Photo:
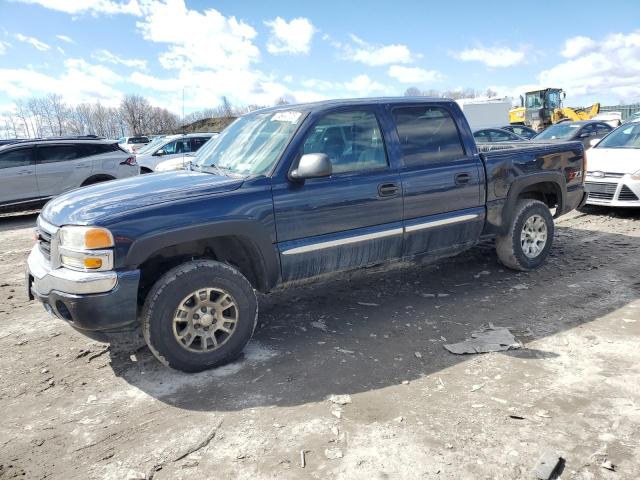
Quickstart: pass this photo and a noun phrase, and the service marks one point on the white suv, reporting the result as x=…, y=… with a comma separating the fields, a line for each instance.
x=33, y=171
x=133, y=144
x=171, y=147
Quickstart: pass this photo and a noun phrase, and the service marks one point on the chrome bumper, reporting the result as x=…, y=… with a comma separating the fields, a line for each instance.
x=46, y=279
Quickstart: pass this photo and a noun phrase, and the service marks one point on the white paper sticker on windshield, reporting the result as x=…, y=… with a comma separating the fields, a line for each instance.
x=291, y=117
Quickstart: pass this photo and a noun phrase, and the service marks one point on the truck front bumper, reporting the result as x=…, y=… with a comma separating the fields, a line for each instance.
x=94, y=303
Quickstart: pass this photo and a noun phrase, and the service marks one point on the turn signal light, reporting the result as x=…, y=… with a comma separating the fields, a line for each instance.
x=97, y=238
x=92, y=263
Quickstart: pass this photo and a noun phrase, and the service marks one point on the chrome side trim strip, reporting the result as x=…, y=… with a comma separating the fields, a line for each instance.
x=438, y=223
x=386, y=233
x=345, y=241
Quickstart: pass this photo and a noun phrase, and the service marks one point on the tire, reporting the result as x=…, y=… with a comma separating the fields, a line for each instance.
x=509, y=247
x=172, y=312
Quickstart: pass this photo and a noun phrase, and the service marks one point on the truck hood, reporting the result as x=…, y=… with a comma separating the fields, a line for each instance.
x=88, y=205
x=615, y=160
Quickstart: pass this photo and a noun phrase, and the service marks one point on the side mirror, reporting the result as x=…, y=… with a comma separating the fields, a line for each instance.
x=160, y=153
x=312, y=165
x=594, y=141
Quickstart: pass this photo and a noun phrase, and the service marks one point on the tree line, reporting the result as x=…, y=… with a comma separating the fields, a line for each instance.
x=453, y=94
x=51, y=116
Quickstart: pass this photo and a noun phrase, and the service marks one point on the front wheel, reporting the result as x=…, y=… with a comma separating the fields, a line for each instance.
x=199, y=315
x=527, y=244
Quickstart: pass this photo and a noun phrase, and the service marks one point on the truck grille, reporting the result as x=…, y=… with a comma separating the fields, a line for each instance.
x=45, y=234
x=601, y=190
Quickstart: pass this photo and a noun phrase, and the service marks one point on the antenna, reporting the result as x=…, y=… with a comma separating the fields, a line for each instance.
x=183, y=125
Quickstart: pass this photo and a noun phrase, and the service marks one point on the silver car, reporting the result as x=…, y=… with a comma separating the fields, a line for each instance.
x=33, y=171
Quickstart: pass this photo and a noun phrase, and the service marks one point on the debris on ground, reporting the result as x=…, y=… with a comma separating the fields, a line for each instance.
x=303, y=462
x=490, y=340
x=333, y=453
x=549, y=466
x=608, y=465
x=340, y=399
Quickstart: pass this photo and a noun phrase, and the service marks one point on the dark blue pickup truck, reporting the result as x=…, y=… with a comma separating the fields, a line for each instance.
x=287, y=194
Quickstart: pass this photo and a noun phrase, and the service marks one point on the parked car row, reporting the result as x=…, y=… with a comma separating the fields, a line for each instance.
x=34, y=171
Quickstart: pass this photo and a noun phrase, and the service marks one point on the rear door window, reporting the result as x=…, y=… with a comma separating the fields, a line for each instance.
x=427, y=134
x=58, y=153
x=500, y=136
x=17, y=157
x=197, y=142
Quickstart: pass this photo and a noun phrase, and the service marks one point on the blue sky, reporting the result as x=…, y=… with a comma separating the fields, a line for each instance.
x=256, y=52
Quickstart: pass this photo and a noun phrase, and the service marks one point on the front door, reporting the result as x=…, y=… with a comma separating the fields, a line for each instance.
x=18, y=176
x=350, y=219
x=441, y=182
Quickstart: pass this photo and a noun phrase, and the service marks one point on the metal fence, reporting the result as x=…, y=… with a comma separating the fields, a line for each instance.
x=625, y=110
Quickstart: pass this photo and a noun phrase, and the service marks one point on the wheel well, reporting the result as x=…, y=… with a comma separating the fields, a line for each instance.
x=546, y=192
x=145, y=170
x=97, y=179
x=240, y=252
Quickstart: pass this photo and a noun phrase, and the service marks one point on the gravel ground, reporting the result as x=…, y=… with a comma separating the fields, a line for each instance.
x=77, y=409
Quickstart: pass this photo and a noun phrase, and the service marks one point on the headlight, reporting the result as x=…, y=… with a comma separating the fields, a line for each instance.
x=85, y=238
x=86, y=248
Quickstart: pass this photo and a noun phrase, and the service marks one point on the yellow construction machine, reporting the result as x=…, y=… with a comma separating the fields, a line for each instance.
x=541, y=108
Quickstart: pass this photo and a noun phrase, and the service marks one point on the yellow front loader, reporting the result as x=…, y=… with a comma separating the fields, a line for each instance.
x=541, y=108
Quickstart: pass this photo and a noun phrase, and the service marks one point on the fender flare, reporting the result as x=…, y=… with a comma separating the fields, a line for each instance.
x=269, y=261
x=520, y=184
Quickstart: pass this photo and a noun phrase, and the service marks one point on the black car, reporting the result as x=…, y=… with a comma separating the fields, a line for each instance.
x=583, y=131
x=493, y=135
x=521, y=130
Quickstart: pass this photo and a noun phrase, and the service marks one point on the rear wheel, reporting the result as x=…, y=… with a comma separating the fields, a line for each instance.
x=528, y=242
x=199, y=315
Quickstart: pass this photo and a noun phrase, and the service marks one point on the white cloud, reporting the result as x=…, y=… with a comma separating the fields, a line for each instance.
x=576, y=45
x=43, y=47
x=491, y=56
x=94, y=7
x=414, y=75
x=375, y=55
x=109, y=57
x=79, y=82
x=196, y=39
x=364, y=86
x=610, y=67
x=3, y=47
x=65, y=39
x=290, y=37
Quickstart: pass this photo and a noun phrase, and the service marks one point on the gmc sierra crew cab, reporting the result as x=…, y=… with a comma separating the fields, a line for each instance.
x=288, y=194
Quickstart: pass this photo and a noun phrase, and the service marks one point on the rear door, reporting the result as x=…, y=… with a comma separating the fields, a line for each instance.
x=61, y=167
x=441, y=182
x=352, y=218
x=18, y=176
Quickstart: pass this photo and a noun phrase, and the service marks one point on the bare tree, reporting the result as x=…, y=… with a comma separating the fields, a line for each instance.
x=412, y=92
x=58, y=112
x=135, y=110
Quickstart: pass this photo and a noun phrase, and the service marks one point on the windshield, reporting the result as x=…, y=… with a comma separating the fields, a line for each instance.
x=251, y=145
x=627, y=136
x=559, y=131
x=553, y=99
x=534, y=100
x=150, y=146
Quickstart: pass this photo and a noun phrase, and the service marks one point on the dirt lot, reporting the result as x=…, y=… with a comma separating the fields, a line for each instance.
x=74, y=408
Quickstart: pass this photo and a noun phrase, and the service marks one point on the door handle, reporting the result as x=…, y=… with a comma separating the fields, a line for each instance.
x=24, y=172
x=82, y=165
x=462, y=178
x=388, y=189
